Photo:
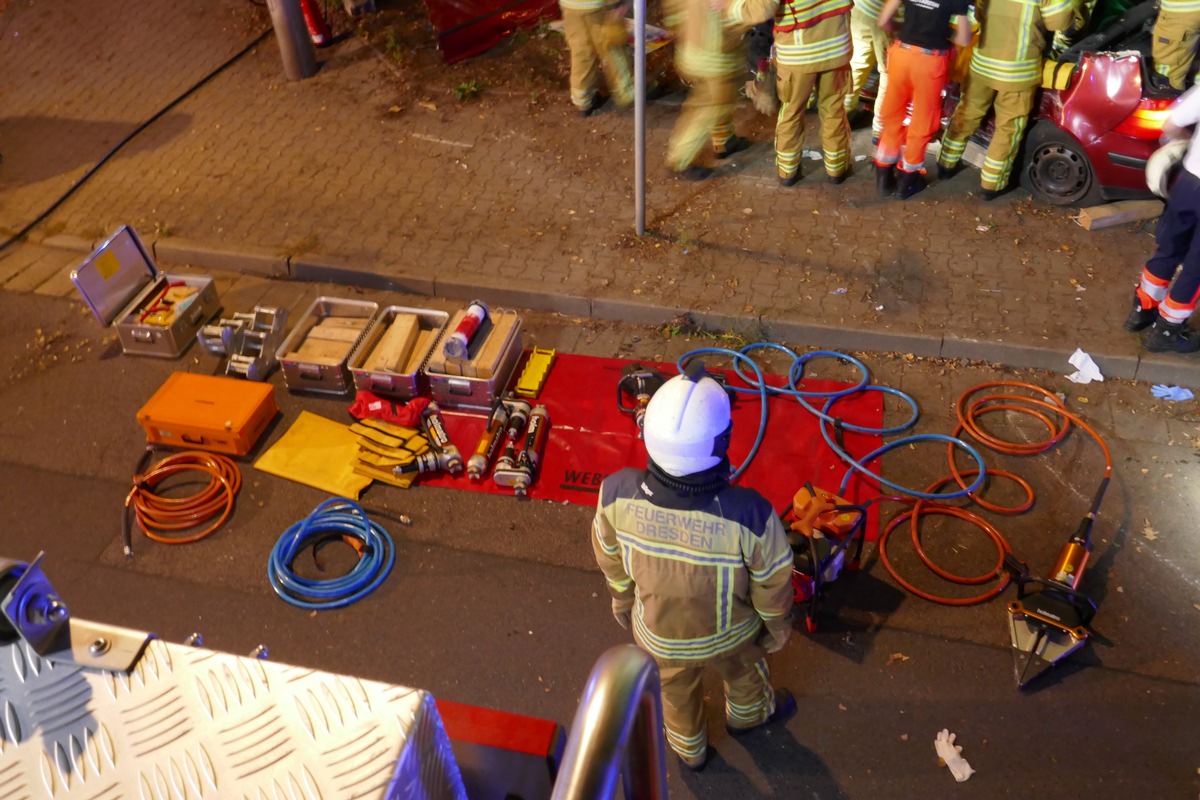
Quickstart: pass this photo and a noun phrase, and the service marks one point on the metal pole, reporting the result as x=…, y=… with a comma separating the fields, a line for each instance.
x=639, y=116
x=619, y=717
x=295, y=45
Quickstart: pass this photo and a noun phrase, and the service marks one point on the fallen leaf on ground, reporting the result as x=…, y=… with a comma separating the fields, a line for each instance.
x=1149, y=532
x=894, y=657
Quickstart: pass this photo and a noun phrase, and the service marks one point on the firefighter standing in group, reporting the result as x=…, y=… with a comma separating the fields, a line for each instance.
x=587, y=26
x=700, y=570
x=1161, y=304
x=812, y=50
x=868, y=50
x=1006, y=69
x=919, y=63
x=709, y=55
x=1176, y=34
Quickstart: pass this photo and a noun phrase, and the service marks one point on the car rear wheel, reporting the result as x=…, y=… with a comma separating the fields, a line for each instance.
x=1056, y=170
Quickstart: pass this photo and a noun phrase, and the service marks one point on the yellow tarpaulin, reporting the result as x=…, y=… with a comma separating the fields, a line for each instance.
x=317, y=452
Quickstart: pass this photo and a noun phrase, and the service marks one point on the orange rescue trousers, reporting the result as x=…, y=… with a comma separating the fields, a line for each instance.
x=917, y=75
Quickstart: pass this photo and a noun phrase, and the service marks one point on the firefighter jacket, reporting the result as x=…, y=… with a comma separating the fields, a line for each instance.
x=813, y=35
x=1180, y=6
x=873, y=8
x=1012, y=38
x=702, y=565
x=708, y=43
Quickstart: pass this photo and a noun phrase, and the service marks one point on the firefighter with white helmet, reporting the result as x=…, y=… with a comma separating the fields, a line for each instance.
x=699, y=569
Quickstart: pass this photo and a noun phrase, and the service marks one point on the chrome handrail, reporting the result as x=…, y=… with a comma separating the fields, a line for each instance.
x=619, y=723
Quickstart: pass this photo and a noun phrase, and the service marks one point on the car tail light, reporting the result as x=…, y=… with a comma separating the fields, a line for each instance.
x=1146, y=121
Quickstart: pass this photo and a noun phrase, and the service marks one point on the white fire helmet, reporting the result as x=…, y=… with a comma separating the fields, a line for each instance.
x=687, y=425
x=1161, y=167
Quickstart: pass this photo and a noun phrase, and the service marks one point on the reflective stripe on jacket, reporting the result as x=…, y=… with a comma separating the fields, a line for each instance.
x=709, y=43
x=1012, y=38
x=818, y=48
x=794, y=14
x=702, y=573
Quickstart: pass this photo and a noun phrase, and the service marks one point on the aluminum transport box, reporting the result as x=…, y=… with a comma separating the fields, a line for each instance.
x=316, y=354
x=125, y=290
x=474, y=383
x=405, y=380
x=190, y=722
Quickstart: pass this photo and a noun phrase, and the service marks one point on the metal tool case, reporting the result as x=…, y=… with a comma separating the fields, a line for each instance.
x=327, y=371
x=121, y=285
x=208, y=412
x=410, y=381
x=474, y=383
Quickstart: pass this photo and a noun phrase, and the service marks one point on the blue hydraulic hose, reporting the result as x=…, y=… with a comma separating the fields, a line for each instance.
x=338, y=516
x=795, y=373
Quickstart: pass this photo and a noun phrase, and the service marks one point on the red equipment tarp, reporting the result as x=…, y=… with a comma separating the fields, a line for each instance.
x=591, y=438
x=467, y=28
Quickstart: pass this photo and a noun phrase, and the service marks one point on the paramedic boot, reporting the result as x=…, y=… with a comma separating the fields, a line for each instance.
x=909, y=183
x=1140, y=318
x=885, y=179
x=785, y=709
x=1171, y=337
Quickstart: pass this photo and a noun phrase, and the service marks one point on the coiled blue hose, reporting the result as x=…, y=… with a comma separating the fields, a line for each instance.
x=831, y=425
x=338, y=516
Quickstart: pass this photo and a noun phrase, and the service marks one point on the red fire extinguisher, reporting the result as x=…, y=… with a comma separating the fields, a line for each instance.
x=318, y=28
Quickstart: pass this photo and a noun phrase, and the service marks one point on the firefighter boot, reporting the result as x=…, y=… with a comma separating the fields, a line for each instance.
x=1171, y=337
x=736, y=144
x=885, y=179
x=785, y=709
x=909, y=183
x=1140, y=318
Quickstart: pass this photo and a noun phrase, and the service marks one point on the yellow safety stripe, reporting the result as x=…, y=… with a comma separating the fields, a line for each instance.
x=1005, y=70
x=800, y=54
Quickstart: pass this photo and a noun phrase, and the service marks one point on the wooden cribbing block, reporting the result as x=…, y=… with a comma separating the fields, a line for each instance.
x=395, y=344
x=1111, y=214
x=321, y=350
x=338, y=329
x=419, y=350
x=485, y=362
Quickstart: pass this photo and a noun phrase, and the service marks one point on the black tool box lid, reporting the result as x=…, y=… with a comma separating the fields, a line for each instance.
x=111, y=277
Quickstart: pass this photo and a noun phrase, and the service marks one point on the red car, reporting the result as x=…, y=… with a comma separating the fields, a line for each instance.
x=1090, y=141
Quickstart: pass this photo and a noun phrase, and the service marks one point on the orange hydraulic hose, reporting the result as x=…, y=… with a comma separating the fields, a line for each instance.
x=157, y=515
x=969, y=412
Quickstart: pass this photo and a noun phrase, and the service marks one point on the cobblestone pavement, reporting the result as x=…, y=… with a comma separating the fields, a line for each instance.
x=513, y=197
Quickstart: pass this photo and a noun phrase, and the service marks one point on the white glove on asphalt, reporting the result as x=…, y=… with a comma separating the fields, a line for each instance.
x=948, y=751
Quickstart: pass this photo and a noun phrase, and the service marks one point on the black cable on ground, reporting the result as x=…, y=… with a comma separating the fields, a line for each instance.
x=21, y=234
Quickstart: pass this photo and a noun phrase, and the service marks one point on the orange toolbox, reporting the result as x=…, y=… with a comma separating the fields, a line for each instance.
x=206, y=412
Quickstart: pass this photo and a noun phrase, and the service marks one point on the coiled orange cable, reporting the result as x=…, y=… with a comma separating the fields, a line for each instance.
x=969, y=413
x=158, y=516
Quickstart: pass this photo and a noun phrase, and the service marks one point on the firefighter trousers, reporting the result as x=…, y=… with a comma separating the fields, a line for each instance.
x=917, y=75
x=870, y=43
x=795, y=87
x=1173, y=44
x=1176, y=244
x=707, y=115
x=749, y=700
x=591, y=53
x=1012, y=108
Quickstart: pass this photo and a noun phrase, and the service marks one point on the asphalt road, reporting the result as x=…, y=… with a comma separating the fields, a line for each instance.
x=497, y=602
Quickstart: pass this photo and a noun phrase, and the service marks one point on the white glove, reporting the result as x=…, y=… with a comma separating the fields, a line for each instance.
x=948, y=751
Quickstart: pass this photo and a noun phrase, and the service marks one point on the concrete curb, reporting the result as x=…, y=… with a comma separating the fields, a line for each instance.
x=1154, y=368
